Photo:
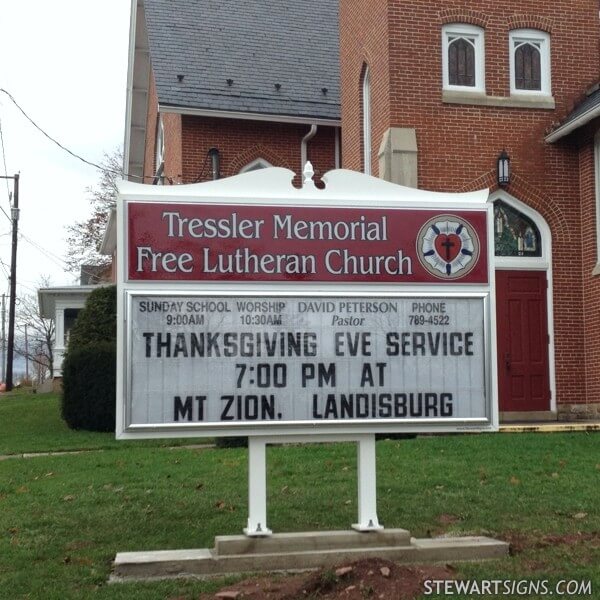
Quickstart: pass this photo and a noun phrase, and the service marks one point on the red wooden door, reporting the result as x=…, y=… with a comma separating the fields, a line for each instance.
x=522, y=325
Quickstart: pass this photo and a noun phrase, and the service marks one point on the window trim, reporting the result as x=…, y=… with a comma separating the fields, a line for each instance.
x=536, y=36
x=255, y=165
x=467, y=31
x=597, y=193
x=159, y=154
x=366, y=120
x=543, y=263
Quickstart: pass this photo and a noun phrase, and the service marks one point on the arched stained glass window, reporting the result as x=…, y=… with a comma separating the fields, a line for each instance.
x=461, y=61
x=528, y=66
x=530, y=71
x=463, y=57
x=514, y=233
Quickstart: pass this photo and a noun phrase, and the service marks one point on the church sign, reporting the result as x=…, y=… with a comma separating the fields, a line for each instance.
x=179, y=242
x=347, y=310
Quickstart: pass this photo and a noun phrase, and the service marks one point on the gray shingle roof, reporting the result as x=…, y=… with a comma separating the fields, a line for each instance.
x=255, y=43
x=583, y=113
x=590, y=102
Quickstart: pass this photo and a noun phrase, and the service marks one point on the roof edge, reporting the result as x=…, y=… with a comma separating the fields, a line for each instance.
x=108, y=244
x=571, y=126
x=248, y=116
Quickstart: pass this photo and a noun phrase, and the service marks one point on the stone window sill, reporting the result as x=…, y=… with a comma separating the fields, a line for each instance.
x=596, y=270
x=482, y=99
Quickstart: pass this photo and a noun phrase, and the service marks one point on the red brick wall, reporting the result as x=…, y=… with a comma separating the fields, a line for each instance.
x=173, y=170
x=591, y=283
x=458, y=144
x=363, y=41
x=173, y=147
x=240, y=142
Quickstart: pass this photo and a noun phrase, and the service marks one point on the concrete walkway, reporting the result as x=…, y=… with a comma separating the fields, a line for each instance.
x=542, y=427
x=36, y=454
x=71, y=452
x=550, y=427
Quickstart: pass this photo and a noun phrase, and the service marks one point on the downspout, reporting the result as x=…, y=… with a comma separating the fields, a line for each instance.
x=304, y=146
x=338, y=152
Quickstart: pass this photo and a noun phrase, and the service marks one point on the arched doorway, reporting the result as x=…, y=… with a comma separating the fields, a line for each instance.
x=524, y=316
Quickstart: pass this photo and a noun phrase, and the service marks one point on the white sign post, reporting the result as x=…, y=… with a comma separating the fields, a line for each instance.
x=249, y=307
x=257, y=480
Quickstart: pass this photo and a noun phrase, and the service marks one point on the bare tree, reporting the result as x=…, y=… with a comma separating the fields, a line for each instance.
x=41, y=334
x=84, y=237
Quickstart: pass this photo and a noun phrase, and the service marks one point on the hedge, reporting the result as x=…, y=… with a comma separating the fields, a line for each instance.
x=97, y=322
x=89, y=366
x=89, y=381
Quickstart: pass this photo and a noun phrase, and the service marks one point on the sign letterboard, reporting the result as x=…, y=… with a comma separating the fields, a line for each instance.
x=198, y=361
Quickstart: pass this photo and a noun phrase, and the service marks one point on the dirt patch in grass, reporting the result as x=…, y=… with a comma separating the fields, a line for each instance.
x=520, y=542
x=447, y=519
x=368, y=578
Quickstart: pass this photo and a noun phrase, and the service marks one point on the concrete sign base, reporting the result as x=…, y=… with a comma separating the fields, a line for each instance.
x=300, y=551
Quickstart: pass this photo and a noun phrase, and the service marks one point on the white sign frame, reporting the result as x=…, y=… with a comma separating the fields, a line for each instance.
x=272, y=187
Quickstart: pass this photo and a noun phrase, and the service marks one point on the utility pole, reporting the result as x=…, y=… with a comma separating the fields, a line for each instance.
x=14, y=213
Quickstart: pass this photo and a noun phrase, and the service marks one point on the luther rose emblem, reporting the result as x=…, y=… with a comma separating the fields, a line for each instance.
x=448, y=247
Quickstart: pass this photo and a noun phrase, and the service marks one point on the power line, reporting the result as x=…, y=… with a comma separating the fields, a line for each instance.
x=6, y=215
x=41, y=248
x=5, y=173
x=4, y=266
x=4, y=162
x=65, y=149
x=53, y=140
x=57, y=260
x=27, y=287
x=45, y=252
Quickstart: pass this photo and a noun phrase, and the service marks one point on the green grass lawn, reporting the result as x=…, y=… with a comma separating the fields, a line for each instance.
x=63, y=518
x=31, y=423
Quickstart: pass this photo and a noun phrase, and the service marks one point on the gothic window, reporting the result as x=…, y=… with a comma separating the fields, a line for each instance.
x=529, y=62
x=514, y=233
x=461, y=61
x=463, y=58
x=528, y=67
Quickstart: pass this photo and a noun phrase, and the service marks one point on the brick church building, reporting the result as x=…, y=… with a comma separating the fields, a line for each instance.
x=443, y=95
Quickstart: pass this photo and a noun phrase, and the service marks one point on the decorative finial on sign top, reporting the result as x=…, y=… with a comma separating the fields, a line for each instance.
x=308, y=173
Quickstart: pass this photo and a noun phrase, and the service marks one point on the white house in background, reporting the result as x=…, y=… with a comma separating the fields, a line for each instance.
x=63, y=305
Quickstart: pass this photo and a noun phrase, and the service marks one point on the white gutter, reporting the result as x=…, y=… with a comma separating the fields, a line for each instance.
x=304, y=146
x=129, y=88
x=227, y=114
x=109, y=240
x=567, y=128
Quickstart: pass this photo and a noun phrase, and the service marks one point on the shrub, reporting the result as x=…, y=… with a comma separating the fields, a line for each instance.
x=97, y=322
x=231, y=442
x=89, y=380
x=89, y=366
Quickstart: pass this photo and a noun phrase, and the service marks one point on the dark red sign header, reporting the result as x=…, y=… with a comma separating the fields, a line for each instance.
x=196, y=242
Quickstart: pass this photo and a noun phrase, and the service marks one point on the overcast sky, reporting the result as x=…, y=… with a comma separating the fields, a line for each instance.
x=65, y=62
